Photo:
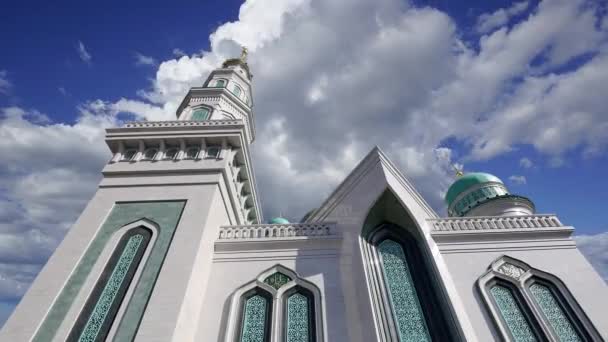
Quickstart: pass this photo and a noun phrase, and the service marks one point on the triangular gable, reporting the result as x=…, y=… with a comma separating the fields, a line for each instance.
x=375, y=164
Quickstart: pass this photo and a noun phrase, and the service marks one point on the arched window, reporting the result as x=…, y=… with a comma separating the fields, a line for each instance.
x=531, y=305
x=256, y=315
x=220, y=83
x=236, y=90
x=95, y=320
x=407, y=298
x=200, y=114
x=297, y=320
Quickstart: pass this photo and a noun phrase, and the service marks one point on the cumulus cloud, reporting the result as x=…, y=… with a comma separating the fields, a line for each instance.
x=141, y=59
x=178, y=52
x=526, y=163
x=595, y=248
x=84, y=55
x=489, y=21
x=518, y=180
x=5, y=84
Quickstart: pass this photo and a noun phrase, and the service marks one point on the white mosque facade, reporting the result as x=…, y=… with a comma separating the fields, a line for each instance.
x=172, y=247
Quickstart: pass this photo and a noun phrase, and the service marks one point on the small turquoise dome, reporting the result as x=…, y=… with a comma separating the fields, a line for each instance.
x=467, y=181
x=278, y=220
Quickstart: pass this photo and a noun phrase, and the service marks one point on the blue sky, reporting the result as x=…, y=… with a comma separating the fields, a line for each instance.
x=506, y=88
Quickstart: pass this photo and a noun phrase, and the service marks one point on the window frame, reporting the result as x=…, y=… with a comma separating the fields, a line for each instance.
x=269, y=312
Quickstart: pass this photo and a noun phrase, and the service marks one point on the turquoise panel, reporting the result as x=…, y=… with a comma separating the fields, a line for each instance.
x=166, y=215
x=200, y=114
x=298, y=316
x=554, y=313
x=108, y=295
x=254, y=320
x=403, y=297
x=277, y=280
x=512, y=314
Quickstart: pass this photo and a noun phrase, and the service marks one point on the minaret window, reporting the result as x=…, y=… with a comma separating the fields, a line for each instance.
x=236, y=90
x=299, y=321
x=97, y=317
x=213, y=152
x=150, y=153
x=531, y=305
x=200, y=114
x=192, y=152
x=171, y=153
x=220, y=83
x=257, y=309
x=129, y=154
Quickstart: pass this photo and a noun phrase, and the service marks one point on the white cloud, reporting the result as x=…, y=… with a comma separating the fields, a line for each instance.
x=178, y=52
x=526, y=163
x=5, y=84
x=518, y=180
x=84, y=55
x=63, y=91
x=141, y=59
x=595, y=248
x=489, y=21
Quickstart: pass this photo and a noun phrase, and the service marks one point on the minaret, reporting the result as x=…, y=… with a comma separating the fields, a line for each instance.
x=136, y=263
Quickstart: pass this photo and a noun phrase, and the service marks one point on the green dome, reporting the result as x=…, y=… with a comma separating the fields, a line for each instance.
x=467, y=181
x=278, y=220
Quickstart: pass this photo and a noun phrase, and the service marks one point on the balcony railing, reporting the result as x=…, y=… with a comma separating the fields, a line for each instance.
x=182, y=123
x=491, y=223
x=277, y=231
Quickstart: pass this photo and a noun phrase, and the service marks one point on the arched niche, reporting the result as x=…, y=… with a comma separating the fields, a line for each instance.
x=388, y=220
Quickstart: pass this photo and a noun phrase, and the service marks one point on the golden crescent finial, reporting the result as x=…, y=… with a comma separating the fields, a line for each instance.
x=459, y=172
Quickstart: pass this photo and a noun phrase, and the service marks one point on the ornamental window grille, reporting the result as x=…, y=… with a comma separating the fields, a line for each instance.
x=150, y=153
x=220, y=83
x=297, y=318
x=98, y=315
x=528, y=304
x=129, y=154
x=407, y=298
x=200, y=114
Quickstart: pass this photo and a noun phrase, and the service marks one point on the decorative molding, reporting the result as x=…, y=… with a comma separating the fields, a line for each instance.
x=511, y=270
x=494, y=223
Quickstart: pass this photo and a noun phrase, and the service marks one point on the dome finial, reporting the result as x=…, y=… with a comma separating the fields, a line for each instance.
x=244, y=53
x=459, y=172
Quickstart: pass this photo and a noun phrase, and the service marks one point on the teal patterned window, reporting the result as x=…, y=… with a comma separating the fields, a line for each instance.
x=300, y=322
x=277, y=280
x=512, y=314
x=101, y=308
x=200, y=114
x=256, y=319
x=220, y=83
x=404, y=299
x=554, y=313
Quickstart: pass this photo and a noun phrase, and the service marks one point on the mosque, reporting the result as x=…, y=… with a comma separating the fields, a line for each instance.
x=173, y=247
